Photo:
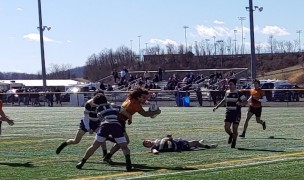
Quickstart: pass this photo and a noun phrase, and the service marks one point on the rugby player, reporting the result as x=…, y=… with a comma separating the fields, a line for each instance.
x=89, y=123
x=3, y=117
x=234, y=100
x=132, y=104
x=110, y=125
x=255, y=106
x=168, y=144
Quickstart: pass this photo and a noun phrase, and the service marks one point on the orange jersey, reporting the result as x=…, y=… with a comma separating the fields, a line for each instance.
x=132, y=106
x=258, y=94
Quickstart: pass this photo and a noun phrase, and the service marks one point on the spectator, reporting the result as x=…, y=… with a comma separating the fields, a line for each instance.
x=115, y=75
x=147, y=76
x=160, y=74
x=57, y=96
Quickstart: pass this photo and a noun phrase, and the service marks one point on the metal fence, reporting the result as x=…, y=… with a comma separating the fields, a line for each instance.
x=191, y=98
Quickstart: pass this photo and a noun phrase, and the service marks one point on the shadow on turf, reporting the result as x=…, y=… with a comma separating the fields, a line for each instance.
x=137, y=167
x=272, y=137
x=144, y=167
x=27, y=164
x=255, y=149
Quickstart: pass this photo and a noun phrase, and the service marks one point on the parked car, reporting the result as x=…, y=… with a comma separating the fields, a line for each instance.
x=286, y=95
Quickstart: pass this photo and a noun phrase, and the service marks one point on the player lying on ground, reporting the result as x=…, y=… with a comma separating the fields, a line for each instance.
x=110, y=125
x=89, y=123
x=168, y=144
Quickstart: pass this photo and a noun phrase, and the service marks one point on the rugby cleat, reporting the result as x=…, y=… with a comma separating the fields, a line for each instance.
x=107, y=160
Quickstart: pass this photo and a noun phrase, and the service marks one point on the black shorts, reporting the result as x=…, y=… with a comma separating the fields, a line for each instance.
x=94, y=125
x=182, y=145
x=256, y=111
x=115, y=130
x=233, y=117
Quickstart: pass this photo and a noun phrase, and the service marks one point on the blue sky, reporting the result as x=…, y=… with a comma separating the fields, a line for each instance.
x=80, y=28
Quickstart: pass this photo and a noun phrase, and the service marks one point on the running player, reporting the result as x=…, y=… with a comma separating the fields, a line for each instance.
x=168, y=144
x=234, y=99
x=89, y=123
x=255, y=106
x=132, y=104
x=110, y=125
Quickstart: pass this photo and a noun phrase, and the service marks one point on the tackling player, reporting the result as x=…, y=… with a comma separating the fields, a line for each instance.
x=132, y=104
x=89, y=123
x=110, y=126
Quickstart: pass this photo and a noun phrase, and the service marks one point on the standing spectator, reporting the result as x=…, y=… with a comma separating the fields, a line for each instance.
x=123, y=75
x=147, y=76
x=160, y=74
x=57, y=96
x=199, y=96
x=50, y=98
x=115, y=75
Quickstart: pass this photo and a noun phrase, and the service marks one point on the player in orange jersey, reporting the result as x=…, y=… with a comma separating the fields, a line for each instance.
x=255, y=106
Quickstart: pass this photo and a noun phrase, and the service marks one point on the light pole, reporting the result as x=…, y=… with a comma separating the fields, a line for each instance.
x=139, y=47
x=41, y=29
x=186, y=27
x=235, y=31
x=214, y=45
x=241, y=19
x=271, y=44
x=146, y=48
x=207, y=46
x=299, y=32
x=252, y=44
x=221, y=42
x=131, y=48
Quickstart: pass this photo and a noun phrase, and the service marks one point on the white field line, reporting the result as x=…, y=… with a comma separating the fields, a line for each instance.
x=217, y=168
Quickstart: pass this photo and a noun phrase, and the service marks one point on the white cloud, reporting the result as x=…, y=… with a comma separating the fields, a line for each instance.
x=164, y=42
x=36, y=37
x=68, y=41
x=19, y=9
x=218, y=22
x=217, y=31
x=275, y=30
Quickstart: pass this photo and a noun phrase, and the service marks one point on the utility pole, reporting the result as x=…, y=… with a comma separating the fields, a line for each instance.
x=41, y=28
x=139, y=47
x=299, y=32
x=235, y=31
x=186, y=27
x=241, y=19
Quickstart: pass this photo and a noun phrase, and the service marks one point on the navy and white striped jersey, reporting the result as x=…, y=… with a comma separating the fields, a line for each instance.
x=90, y=109
x=232, y=98
x=108, y=112
x=164, y=145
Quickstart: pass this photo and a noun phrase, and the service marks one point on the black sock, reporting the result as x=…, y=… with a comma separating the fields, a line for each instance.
x=108, y=156
x=83, y=160
x=128, y=162
x=105, y=152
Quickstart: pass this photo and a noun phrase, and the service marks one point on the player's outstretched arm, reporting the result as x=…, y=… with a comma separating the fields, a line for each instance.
x=149, y=113
x=219, y=104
